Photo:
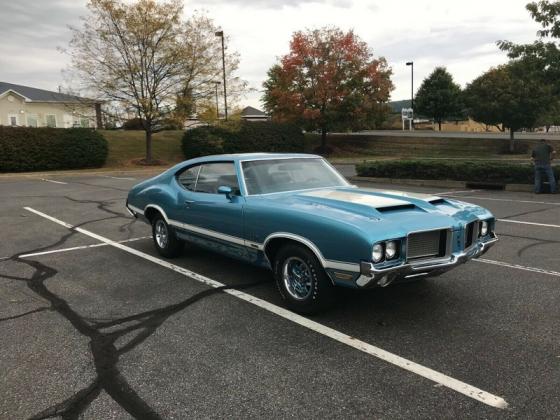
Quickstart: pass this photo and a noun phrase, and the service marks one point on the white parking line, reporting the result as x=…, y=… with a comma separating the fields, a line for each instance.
x=528, y=223
x=440, y=378
x=508, y=200
x=75, y=248
x=117, y=177
x=519, y=267
x=54, y=182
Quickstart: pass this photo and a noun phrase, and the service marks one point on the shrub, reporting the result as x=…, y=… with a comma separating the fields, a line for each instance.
x=265, y=136
x=469, y=171
x=133, y=124
x=203, y=141
x=243, y=137
x=35, y=149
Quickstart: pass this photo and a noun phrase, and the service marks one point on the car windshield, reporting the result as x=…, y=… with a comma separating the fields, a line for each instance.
x=278, y=175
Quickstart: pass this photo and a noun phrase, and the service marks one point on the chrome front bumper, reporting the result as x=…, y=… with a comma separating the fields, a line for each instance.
x=370, y=276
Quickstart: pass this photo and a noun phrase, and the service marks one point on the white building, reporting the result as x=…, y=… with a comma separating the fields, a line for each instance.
x=25, y=106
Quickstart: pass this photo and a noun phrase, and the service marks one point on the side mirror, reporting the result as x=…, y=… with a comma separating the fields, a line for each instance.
x=227, y=191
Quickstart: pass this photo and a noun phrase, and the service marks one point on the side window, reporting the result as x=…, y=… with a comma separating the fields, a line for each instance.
x=188, y=177
x=215, y=175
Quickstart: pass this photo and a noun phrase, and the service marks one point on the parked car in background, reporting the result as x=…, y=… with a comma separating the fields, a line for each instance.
x=295, y=214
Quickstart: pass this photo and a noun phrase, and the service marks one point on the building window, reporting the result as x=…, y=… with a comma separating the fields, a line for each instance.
x=12, y=120
x=84, y=122
x=32, y=120
x=51, y=120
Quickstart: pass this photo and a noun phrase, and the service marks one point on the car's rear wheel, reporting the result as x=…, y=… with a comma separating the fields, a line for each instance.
x=301, y=280
x=165, y=240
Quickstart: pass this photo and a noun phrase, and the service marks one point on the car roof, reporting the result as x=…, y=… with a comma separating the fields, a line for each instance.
x=251, y=156
x=236, y=157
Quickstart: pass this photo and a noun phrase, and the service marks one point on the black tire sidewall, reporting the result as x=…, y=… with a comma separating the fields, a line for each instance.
x=322, y=288
x=174, y=246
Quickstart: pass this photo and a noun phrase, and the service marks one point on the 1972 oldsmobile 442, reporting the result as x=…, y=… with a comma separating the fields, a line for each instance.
x=295, y=214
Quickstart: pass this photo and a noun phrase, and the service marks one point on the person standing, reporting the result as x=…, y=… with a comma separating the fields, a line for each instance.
x=542, y=156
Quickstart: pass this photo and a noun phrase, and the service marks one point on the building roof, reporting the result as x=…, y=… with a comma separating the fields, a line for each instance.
x=40, y=95
x=249, y=111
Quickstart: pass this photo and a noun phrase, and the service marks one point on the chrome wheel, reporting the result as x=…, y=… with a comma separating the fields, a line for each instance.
x=297, y=278
x=162, y=235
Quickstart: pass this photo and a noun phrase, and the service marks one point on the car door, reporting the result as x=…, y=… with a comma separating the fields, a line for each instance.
x=205, y=213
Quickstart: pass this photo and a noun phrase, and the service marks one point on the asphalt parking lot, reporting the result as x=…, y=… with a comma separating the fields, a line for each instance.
x=94, y=324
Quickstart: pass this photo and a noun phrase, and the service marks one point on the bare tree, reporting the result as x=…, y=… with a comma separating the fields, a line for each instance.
x=132, y=53
x=203, y=67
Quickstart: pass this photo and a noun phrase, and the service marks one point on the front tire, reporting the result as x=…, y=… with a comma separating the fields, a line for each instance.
x=166, y=242
x=301, y=280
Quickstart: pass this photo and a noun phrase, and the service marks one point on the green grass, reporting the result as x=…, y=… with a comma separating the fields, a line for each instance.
x=356, y=148
x=126, y=146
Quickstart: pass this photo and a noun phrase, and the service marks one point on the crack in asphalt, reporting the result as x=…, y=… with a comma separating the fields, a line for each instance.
x=539, y=242
x=104, y=352
x=34, y=311
x=525, y=213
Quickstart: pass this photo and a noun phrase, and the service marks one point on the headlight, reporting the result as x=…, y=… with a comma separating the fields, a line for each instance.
x=377, y=253
x=391, y=250
x=483, y=228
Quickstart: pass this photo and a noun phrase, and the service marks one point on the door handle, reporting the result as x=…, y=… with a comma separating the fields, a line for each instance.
x=188, y=203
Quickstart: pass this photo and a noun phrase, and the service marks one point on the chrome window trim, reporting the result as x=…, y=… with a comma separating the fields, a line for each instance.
x=200, y=165
x=242, y=175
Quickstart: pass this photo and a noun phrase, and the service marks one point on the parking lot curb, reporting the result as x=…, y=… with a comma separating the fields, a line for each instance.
x=436, y=183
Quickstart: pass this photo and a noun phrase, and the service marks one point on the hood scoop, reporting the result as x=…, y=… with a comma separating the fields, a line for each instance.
x=401, y=207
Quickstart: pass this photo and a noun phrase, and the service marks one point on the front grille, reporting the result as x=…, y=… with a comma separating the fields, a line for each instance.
x=471, y=232
x=426, y=244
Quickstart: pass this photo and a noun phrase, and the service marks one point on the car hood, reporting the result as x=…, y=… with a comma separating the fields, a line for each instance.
x=400, y=211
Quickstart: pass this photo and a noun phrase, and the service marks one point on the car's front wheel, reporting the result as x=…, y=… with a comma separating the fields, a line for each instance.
x=167, y=244
x=301, y=280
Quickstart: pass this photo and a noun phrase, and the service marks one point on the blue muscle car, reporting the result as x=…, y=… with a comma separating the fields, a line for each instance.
x=295, y=214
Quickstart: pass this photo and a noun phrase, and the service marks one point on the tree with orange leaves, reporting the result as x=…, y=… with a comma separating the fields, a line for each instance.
x=329, y=80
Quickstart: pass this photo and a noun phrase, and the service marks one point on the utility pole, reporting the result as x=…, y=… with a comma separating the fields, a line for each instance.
x=411, y=64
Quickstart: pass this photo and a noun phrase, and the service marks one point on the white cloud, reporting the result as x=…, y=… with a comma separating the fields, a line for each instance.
x=454, y=33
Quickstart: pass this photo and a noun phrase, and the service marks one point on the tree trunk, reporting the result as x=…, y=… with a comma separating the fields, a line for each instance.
x=439, y=125
x=323, y=138
x=149, y=144
x=511, y=140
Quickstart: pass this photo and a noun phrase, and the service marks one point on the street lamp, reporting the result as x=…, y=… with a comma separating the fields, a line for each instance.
x=217, y=107
x=221, y=35
x=411, y=64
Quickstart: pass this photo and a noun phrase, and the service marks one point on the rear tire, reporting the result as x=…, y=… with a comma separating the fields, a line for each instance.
x=301, y=280
x=166, y=242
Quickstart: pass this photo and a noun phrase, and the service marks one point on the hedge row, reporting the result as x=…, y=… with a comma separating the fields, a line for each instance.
x=36, y=149
x=242, y=137
x=469, y=171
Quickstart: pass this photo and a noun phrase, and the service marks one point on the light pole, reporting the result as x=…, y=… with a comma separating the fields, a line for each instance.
x=411, y=64
x=221, y=35
x=217, y=107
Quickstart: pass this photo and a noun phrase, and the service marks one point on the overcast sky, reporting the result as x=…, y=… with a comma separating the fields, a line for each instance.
x=458, y=34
